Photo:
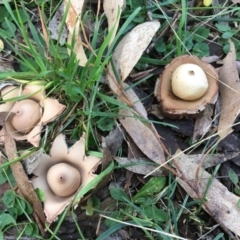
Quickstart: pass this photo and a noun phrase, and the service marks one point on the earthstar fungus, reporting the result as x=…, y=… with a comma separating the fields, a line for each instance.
x=62, y=174
x=31, y=111
x=186, y=86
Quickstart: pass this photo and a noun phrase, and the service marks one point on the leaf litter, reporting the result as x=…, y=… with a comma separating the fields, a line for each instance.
x=220, y=203
x=145, y=138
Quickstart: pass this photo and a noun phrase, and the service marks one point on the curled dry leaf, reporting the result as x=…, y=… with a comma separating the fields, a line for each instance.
x=73, y=20
x=230, y=93
x=221, y=204
x=113, y=10
x=129, y=51
x=131, y=47
x=142, y=135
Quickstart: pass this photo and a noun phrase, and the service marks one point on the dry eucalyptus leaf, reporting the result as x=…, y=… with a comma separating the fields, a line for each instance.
x=211, y=160
x=221, y=204
x=131, y=47
x=134, y=100
x=73, y=21
x=230, y=93
x=141, y=166
x=203, y=123
x=142, y=135
x=113, y=10
x=54, y=26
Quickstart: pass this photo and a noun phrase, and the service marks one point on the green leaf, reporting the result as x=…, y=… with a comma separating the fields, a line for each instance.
x=219, y=236
x=3, y=13
x=236, y=190
x=6, y=219
x=1, y=235
x=9, y=198
x=22, y=15
x=201, y=34
x=89, y=207
x=11, y=27
x=40, y=194
x=13, y=212
x=2, y=178
x=222, y=28
x=106, y=123
x=95, y=202
x=147, y=200
x=155, y=213
x=92, y=204
x=28, y=208
x=238, y=56
x=201, y=49
x=233, y=176
x=118, y=194
x=20, y=209
x=153, y=186
x=134, y=3
x=161, y=47
x=226, y=48
x=29, y=230
x=227, y=35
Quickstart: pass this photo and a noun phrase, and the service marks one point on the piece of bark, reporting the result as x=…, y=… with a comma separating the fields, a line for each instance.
x=23, y=182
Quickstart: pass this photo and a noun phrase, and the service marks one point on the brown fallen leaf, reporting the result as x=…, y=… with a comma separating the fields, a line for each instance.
x=133, y=100
x=221, y=204
x=203, y=123
x=141, y=166
x=73, y=20
x=113, y=10
x=128, y=52
x=230, y=93
x=142, y=135
x=211, y=160
x=131, y=47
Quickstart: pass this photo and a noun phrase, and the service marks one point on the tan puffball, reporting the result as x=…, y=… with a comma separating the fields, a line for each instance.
x=189, y=82
x=63, y=179
x=27, y=115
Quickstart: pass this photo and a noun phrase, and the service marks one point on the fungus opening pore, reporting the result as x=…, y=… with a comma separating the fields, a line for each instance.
x=63, y=179
x=27, y=113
